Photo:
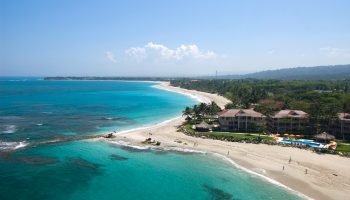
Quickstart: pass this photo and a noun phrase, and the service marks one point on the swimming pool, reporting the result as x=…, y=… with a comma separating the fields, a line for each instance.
x=310, y=143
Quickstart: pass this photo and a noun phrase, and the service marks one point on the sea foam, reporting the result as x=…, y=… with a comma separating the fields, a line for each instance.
x=9, y=129
x=199, y=99
x=270, y=180
x=10, y=146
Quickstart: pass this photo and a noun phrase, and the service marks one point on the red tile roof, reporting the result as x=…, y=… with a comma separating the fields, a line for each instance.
x=240, y=113
x=290, y=114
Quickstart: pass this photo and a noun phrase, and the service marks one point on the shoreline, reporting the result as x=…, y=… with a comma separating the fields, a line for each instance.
x=262, y=160
x=270, y=180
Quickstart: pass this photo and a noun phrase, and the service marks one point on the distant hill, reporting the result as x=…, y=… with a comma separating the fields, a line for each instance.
x=104, y=78
x=334, y=72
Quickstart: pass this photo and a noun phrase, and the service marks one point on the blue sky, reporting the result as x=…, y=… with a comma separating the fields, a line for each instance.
x=170, y=38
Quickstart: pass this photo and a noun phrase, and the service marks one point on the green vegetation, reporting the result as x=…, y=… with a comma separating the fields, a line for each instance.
x=321, y=99
x=343, y=147
x=301, y=73
x=201, y=111
x=334, y=72
x=235, y=137
x=205, y=112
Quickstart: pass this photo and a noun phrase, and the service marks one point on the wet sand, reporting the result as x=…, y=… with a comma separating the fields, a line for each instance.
x=328, y=176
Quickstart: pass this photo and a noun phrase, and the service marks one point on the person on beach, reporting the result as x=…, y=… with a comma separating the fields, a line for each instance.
x=283, y=168
x=305, y=171
x=228, y=152
x=290, y=159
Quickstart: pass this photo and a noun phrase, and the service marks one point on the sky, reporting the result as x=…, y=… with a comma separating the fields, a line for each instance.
x=170, y=38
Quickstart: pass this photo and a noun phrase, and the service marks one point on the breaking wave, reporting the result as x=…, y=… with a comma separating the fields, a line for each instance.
x=9, y=129
x=10, y=146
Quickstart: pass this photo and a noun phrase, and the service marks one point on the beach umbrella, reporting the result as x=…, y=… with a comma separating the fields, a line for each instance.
x=324, y=136
x=203, y=126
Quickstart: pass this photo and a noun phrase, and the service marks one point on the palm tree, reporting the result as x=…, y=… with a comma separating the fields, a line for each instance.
x=213, y=108
x=333, y=119
x=251, y=127
x=195, y=111
x=345, y=108
x=202, y=109
x=315, y=115
x=187, y=112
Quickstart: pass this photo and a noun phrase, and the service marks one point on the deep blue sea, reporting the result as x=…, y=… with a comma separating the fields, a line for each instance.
x=33, y=110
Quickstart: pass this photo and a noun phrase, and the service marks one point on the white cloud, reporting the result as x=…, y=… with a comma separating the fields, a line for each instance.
x=160, y=51
x=110, y=57
x=335, y=52
x=136, y=52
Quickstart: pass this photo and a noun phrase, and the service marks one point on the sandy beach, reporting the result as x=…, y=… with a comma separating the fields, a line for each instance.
x=328, y=176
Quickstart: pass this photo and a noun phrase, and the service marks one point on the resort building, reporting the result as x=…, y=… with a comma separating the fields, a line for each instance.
x=344, y=126
x=289, y=121
x=241, y=120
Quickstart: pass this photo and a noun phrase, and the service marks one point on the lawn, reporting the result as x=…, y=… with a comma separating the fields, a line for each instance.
x=229, y=134
x=343, y=147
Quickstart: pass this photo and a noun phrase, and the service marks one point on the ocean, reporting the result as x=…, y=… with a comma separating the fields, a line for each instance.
x=33, y=111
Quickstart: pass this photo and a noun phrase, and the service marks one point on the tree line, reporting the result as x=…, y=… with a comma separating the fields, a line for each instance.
x=201, y=110
x=322, y=99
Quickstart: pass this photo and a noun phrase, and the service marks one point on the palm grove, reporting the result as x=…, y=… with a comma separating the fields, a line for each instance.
x=202, y=110
x=321, y=99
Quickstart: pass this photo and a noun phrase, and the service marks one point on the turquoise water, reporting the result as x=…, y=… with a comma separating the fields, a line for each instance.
x=31, y=109
x=99, y=170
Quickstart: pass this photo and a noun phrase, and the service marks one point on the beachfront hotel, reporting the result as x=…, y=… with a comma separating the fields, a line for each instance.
x=344, y=126
x=241, y=120
x=288, y=121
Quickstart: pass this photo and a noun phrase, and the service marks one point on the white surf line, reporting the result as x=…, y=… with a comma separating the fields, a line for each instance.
x=270, y=180
x=12, y=146
x=127, y=144
x=149, y=126
x=202, y=100
x=198, y=98
x=179, y=149
x=156, y=148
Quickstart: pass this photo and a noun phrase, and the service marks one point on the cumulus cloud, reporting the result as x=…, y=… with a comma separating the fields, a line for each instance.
x=110, y=57
x=136, y=52
x=160, y=51
x=335, y=52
